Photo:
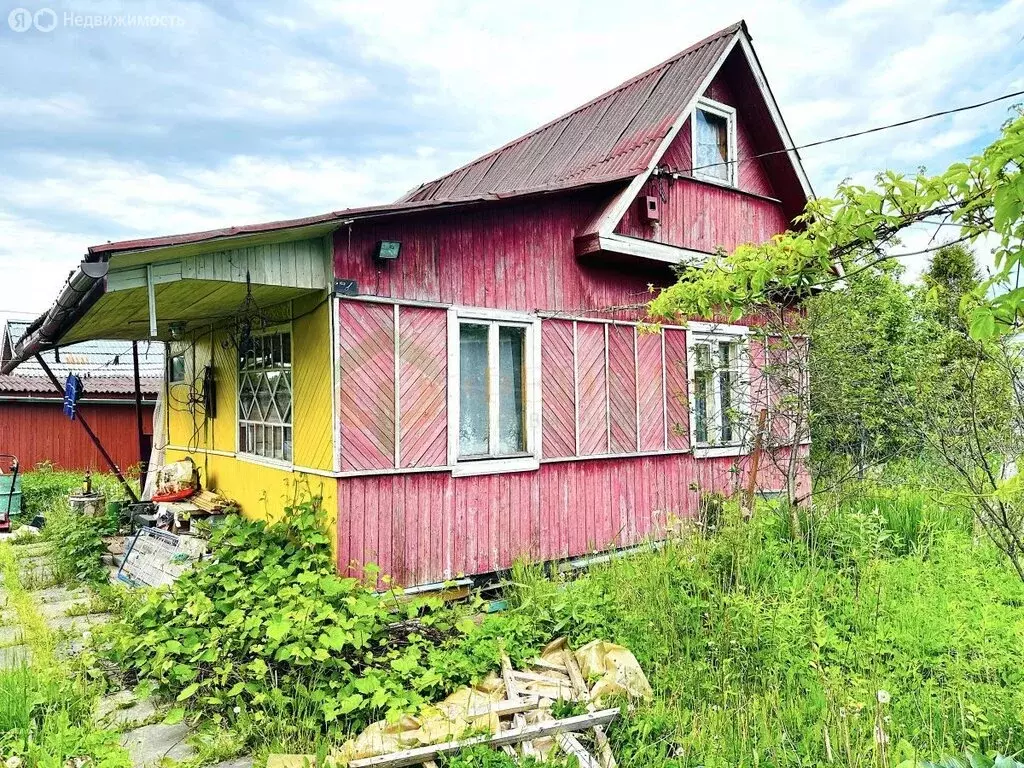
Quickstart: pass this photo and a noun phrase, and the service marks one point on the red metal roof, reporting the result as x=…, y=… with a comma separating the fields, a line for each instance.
x=613, y=136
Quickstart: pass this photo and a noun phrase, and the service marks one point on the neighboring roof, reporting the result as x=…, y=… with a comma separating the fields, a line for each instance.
x=105, y=367
x=614, y=135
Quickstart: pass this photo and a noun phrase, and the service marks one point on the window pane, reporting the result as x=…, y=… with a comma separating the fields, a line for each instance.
x=712, y=145
x=474, y=431
x=702, y=356
x=511, y=392
x=701, y=398
x=725, y=385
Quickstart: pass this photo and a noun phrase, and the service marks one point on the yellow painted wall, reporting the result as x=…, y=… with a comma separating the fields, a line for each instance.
x=262, y=491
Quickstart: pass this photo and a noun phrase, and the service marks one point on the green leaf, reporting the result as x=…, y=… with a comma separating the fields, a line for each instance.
x=175, y=716
x=277, y=628
x=188, y=692
x=982, y=323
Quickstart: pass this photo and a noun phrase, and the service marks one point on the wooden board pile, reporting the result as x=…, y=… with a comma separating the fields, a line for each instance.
x=518, y=714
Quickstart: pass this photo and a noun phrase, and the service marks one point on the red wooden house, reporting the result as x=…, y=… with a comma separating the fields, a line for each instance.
x=465, y=373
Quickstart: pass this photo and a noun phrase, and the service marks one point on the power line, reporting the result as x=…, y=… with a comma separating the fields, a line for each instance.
x=866, y=131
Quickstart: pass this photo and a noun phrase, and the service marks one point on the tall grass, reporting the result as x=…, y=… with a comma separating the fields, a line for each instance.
x=764, y=651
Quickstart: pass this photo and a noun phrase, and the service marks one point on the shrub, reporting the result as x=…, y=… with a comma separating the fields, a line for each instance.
x=268, y=626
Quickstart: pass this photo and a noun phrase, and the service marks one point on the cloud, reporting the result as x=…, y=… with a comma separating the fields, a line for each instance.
x=256, y=111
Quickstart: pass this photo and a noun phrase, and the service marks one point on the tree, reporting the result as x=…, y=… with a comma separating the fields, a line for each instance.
x=977, y=397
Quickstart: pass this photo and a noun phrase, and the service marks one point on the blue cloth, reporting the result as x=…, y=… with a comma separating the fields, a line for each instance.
x=72, y=391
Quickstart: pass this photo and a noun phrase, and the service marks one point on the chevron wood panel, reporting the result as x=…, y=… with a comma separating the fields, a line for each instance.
x=423, y=393
x=677, y=389
x=590, y=364
x=651, y=386
x=367, y=360
x=558, y=408
x=622, y=388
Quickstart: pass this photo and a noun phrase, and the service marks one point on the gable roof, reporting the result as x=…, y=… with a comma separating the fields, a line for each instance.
x=612, y=137
x=105, y=367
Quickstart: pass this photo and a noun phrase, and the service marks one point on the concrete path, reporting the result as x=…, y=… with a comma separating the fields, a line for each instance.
x=68, y=613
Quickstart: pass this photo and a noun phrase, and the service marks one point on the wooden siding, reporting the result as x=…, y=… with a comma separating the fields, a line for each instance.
x=366, y=350
x=651, y=388
x=40, y=432
x=677, y=390
x=423, y=400
x=517, y=255
x=703, y=215
x=558, y=398
x=298, y=264
x=592, y=373
x=312, y=405
x=374, y=384
x=622, y=393
x=425, y=528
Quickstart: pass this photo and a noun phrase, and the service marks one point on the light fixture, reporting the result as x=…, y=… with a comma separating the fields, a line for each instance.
x=387, y=250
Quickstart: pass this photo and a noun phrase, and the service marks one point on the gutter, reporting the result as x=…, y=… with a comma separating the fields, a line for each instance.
x=83, y=289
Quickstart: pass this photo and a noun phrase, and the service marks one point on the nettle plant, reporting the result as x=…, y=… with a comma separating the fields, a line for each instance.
x=267, y=625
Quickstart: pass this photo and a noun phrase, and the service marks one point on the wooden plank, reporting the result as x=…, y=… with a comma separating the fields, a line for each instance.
x=607, y=758
x=420, y=755
x=511, y=689
x=571, y=746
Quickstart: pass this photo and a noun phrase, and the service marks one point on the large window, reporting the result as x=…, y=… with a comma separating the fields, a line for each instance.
x=265, y=396
x=494, y=389
x=714, y=142
x=718, y=388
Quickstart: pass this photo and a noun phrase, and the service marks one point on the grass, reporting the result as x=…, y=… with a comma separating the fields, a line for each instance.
x=46, y=706
x=763, y=651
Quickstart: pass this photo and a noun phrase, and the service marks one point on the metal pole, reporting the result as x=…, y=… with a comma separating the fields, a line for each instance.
x=143, y=457
x=92, y=435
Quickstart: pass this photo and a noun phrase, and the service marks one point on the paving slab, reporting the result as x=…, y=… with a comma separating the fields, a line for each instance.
x=124, y=710
x=37, y=576
x=15, y=656
x=53, y=610
x=77, y=624
x=58, y=594
x=8, y=616
x=33, y=550
x=148, y=745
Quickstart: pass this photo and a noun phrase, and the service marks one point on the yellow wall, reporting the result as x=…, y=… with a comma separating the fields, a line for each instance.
x=262, y=491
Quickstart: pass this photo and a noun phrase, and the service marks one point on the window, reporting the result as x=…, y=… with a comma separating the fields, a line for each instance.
x=718, y=386
x=494, y=387
x=265, y=396
x=714, y=142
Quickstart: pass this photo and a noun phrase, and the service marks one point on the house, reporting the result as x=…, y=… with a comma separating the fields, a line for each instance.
x=465, y=375
x=33, y=426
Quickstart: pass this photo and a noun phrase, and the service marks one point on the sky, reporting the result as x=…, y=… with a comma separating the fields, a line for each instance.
x=182, y=116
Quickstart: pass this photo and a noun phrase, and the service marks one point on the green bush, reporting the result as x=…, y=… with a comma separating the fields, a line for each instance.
x=267, y=626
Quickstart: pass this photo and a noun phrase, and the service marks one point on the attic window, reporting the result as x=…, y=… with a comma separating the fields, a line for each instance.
x=714, y=142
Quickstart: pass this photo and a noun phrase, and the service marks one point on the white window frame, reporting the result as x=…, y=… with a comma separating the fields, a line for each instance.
x=255, y=457
x=729, y=113
x=495, y=319
x=713, y=334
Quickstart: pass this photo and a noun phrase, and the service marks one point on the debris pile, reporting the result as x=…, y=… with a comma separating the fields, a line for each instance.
x=514, y=712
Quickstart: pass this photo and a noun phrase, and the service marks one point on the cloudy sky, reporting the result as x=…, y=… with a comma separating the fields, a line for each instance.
x=241, y=111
